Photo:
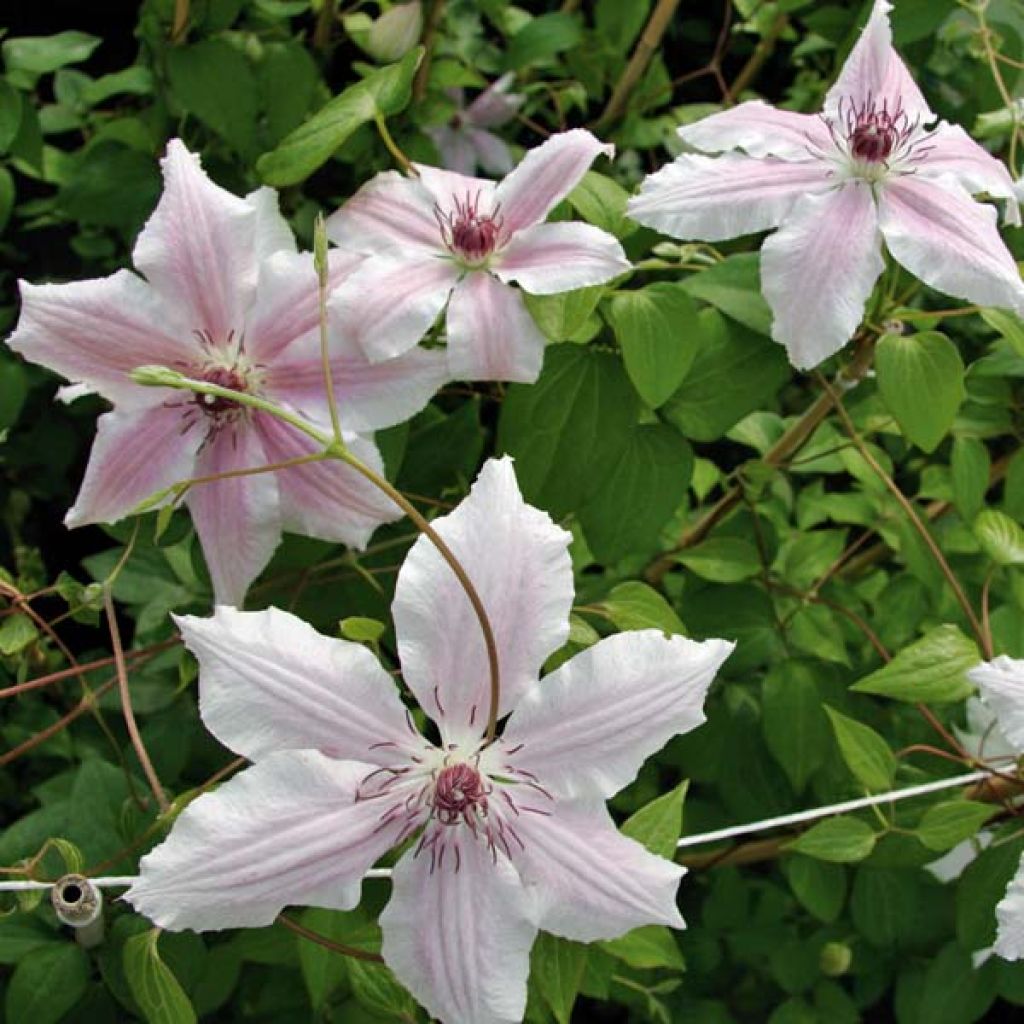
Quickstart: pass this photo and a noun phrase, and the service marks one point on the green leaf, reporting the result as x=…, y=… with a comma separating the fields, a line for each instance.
x=921, y=378
x=563, y=316
x=377, y=989
x=10, y=114
x=948, y=823
x=1009, y=326
x=362, y=630
x=112, y=185
x=17, y=631
x=658, y=331
x=556, y=967
x=46, y=983
x=1013, y=486
x=734, y=287
x=570, y=429
x=795, y=729
x=39, y=55
x=1000, y=537
x=323, y=971
x=954, y=990
x=931, y=669
x=647, y=948
x=154, y=986
x=658, y=825
x=635, y=605
x=970, y=466
x=20, y=934
x=601, y=201
x=542, y=38
x=381, y=94
x=866, y=754
x=820, y=886
x=722, y=559
x=838, y=840
x=981, y=886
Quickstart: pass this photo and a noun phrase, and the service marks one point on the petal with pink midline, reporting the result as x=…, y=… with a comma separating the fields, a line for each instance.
x=458, y=937
x=518, y=562
x=585, y=729
x=388, y=212
x=238, y=519
x=704, y=198
x=455, y=148
x=545, y=176
x=590, y=881
x=198, y=249
x=328, y=500
x=268, y=681
x=942, y=236
x=551, y=258
x=759, y=130
x=1001, y=685
x=96, y=332
x=491, y=335
x=492, y=152
x=288, y=830
x=874, y=73
x=136, y=454
x=1010, y=918
x=818, y=270
x=495, y=105
x=386, y=305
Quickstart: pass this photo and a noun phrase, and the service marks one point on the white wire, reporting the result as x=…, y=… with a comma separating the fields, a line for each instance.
x=123, y=881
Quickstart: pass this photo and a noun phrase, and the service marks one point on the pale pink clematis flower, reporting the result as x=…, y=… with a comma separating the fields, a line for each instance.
x=464, y=142
x=227, y=299
x=443, y=234
x=507, y=837
x=866, y=171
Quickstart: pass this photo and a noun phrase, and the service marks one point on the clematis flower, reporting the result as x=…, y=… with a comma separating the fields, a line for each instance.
x=866, y=171
x=1001, y=685
x=226, y=299
x=443, y=234
x=464, y=142
x=505, y=838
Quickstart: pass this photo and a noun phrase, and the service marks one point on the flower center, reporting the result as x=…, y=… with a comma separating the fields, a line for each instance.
x=460, y=794
x=874, y=134
x=468, y=233
x=217, y=406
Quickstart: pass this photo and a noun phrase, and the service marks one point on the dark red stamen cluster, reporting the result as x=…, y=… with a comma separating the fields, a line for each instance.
x=224, y=377
x=468, y=233
x=872, y=132
x=459, y=794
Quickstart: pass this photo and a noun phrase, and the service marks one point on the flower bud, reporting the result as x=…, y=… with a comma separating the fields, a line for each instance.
x=835, y=959
x=157, y=377
x=392, y=35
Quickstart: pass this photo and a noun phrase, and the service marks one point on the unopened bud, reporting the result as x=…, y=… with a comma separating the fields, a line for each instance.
x=79, y=903
x=320, y=249
x=835, y=959
x=392, y=35
x=157, y=377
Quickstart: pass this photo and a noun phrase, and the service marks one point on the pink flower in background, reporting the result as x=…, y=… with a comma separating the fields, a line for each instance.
x=866, y=171
x=508, y=837
x=464, y=143
x=227, y=299
x=444, y=235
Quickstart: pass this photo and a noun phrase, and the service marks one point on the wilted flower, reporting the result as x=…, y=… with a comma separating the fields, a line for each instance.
x=464, y=142
x=444, y=234
x=508, y=837
x=226, y=299
x=866, y=171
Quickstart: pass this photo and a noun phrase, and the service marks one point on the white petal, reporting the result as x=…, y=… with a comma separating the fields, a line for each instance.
x=1010, y=919
x=273, y=233
x=518, y=561
x=949, y=241
x=198, y=249
x=448, y=188
x=818, y=270
x=491, y=335
x=586, y=728
x=492, y=153
x=590, y=881
x=459, y=938
x=1001, y=683
x=759, y=130
x=268, y=681
x=388, y=212
x=714, y=198
x=551, y=258
x=288, y=830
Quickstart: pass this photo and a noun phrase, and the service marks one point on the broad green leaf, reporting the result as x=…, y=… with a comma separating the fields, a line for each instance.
x=361, y=629
x=1013, y=487
x=646, y=948
x=866, y=754
x=154, y=986
x=921, y=377
x=381, y=94
x=1000, y=537
x=1011, y=327
x=635, y=605
x=323, y=970
x=556, y=967
x=955, y=991
x=46, y=983
x=10, y=114
x=952, y=821
x=601, y=201
x=658, y=330
x=820, y=886
x=17, y=631
x=541, y=38
x=39, y=55
x=377, y=989
x=22, y=933
x=794, y=726
x=734, y=287
x=931, y=669
x=981, y=886
x=287, y=80
x=838, y=840
x=563, y=316
x=722, y=559
x=112, y=185
x=970, y=465
x=658, y=825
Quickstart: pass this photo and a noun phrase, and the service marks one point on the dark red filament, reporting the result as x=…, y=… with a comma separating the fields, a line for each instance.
x=459, y=794
x=467, y=232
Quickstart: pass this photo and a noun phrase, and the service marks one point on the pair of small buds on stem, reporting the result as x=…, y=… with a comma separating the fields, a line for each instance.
x=79, y=904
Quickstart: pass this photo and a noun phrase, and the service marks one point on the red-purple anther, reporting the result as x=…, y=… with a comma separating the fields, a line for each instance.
x=873, y=133
x=458, y=793
x=224, y=377
x=467, y=232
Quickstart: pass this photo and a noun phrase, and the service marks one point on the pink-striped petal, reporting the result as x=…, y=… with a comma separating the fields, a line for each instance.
x=455, y=148
x=818, y=270
x=288, y=830
x=589, y=880
x=585, y=729
x=268, y=681
x=875, y=74
x=949, y=241
x=1001, y=684
x=495, y=105
x=492, y=153
x=136, y=454
x=491, y=335
x=551, y=258
x=96, y=332
x=459, y=937
x=759, y=130
x=545, y=176
x=327, y=500
x=238, y=519
x=386, y=305
x=518, y=562
x=198, y=249
x=714, y=198
x=388, y=212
